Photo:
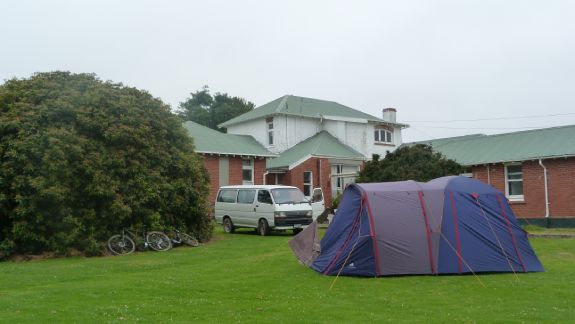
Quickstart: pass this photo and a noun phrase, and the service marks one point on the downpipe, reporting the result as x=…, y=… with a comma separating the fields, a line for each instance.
x=546, y=192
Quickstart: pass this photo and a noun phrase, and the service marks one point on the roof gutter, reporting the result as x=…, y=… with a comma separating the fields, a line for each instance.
x=534, y=158
x=237, y=154
x=546, y=189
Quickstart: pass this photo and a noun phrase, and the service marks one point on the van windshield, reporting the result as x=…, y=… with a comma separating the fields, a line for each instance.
x=288, y=196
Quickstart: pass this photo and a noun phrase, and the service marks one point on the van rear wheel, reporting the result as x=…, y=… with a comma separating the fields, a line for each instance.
x=228, y=225
x=263, y=227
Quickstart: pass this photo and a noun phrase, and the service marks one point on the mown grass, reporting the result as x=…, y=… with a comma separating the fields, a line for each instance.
x=247, y=278
x=534, y=229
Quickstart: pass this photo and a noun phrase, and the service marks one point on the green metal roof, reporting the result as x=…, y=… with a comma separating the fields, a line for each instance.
x=322, y=144
x=207, y=140
x=509, y=147
x=305, y=107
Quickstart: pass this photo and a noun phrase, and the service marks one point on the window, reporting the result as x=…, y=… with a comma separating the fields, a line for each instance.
x=270, y=122
x=227, y=195
x=246, y=196
x=338, y=180
x=514, y=182
x=248, y=171
x=279, y=178
x=342, y=175
x=288, y=196
x=307, y=183
x=383, y=136
x=264, y=197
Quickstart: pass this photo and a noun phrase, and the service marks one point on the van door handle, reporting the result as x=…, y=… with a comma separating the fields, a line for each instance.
x=254, y=209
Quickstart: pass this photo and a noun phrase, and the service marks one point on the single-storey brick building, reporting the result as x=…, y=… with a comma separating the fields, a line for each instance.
x=535, y=169
x=230, y=159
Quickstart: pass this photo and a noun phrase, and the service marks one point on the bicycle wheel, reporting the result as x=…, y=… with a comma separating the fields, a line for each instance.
x=189, y=240
x=119, y=244
x=158, y=241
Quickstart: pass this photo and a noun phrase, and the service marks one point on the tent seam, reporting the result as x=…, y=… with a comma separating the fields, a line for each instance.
x=510, y=232
x=372, y=234
x=428, y=232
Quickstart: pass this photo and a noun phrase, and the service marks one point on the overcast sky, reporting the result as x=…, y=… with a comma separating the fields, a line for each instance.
x=432, y=60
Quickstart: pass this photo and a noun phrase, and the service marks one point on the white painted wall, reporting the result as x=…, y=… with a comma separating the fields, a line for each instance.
x=290, y=130
x=360, y=137
x=256, y=128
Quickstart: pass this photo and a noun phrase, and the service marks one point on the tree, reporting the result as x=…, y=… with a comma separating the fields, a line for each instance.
x=210, y=111
x=416, y=162
x=81, y=158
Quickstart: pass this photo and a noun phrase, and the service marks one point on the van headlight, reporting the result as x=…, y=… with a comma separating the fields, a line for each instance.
x=309, y=214
x=280, y=214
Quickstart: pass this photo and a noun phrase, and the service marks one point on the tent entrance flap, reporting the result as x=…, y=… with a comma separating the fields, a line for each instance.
x=306, y=245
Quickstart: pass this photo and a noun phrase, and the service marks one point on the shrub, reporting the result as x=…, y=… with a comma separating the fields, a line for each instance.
x=336, y=200
x=409, y=162
x=81, y=158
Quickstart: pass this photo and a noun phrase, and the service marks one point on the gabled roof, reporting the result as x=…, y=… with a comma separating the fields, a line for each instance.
x=209, y=141
x=304, y=107
x=322, y=144
x=509, y=147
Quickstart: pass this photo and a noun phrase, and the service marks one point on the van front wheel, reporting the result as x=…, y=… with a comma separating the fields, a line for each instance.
x=263, y=227
x=228, y=225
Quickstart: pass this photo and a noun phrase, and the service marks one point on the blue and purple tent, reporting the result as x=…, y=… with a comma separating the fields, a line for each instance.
x=450, y=225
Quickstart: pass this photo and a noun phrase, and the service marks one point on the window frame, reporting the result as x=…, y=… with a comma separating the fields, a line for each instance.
x=251, y=168
x=385, y=132
x=507, y=180
x=254, y=191
x=270, y=131
x=271, y=201
x=219, y=198
x=308, y=184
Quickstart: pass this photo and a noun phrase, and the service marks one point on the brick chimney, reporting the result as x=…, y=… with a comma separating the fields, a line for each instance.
x=389, y=115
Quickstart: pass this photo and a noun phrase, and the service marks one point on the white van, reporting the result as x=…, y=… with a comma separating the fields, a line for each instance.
x=263, y=207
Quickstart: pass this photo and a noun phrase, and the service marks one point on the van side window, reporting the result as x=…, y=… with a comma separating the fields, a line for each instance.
x=264, y=197
x=227, y=195
x=246, y=196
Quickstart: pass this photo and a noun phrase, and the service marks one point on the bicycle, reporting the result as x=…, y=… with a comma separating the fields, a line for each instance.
x=178, y=237
x=124, y=243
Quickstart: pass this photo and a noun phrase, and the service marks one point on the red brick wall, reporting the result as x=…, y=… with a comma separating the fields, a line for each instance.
x=321, y=178
x=236, y=177
x=213, y=166
x=561, y=178
x=560, y=181
x=212, y=163
x=259, y=170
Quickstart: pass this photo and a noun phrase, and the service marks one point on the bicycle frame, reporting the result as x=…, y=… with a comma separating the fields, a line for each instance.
x=135, y=237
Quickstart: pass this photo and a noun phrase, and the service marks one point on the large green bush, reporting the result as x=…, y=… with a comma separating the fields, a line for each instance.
x=81, y=158
x=409, y=162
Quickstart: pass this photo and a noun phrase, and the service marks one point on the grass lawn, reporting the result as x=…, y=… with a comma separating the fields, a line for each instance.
x=247, y=278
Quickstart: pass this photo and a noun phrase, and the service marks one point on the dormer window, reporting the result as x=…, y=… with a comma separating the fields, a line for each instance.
x=383, y=135
x=270, y=126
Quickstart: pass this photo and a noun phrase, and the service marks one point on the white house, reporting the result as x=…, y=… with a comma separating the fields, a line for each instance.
x=320, y=143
